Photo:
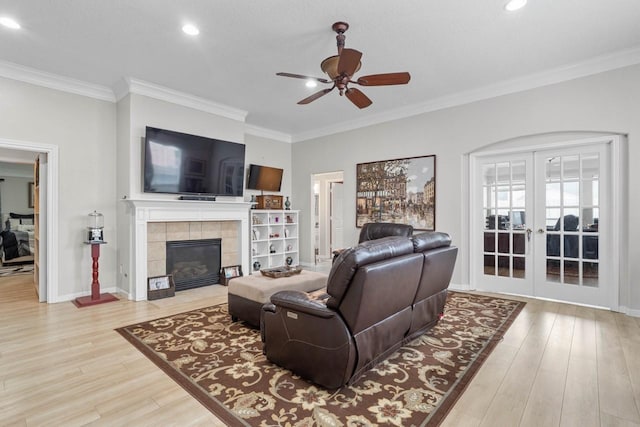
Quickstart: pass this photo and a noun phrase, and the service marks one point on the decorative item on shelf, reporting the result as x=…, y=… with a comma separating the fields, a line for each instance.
x=256, y=234
x=289, y=248
x=289, y=260
x=229, y=272
x=289, y=219
x=256, y=219
x=256, y=265
x=272, y=249
x=254, y=251
x=287, y=204
x=253, y=201
x=95, y=238
x=276, y=219
x=286, y=232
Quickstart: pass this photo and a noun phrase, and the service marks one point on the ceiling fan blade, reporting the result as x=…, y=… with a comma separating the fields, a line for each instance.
x=358, y=98
x=300, y=76
x=349, y=61
x=315, y=96
x=385, y=79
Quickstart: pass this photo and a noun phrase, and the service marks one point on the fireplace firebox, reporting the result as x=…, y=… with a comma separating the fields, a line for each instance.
x=194, y=263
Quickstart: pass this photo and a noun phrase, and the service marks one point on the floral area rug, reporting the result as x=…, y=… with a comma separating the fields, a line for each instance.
x=221, y=364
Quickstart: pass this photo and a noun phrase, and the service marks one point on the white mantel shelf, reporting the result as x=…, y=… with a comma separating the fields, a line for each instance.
x=144, y=211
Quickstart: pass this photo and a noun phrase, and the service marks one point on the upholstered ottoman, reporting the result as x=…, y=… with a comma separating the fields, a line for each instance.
x=247, y=294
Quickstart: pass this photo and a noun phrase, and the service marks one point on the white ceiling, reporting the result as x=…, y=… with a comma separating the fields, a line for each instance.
x=456, y=51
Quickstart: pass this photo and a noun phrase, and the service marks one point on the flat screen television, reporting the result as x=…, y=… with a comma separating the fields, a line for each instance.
x=264, y=178
x=179, y=163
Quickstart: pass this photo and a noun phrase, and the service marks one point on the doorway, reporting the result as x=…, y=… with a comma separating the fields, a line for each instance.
x=328, y=224
x=47, y=260
x=542, y=223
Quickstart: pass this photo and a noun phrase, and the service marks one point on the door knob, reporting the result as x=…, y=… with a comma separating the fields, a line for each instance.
x=540, y=231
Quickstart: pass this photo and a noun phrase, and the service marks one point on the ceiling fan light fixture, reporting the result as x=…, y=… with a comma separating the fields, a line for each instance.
x=311, y=84
x=514, y=5
x=330, y=66
x=190, y=29
x=9, y=23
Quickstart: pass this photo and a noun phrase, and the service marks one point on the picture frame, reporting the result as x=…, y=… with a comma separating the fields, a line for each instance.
x=160, y=287
x=401, y=191
x=31, y=195
x=229, y=272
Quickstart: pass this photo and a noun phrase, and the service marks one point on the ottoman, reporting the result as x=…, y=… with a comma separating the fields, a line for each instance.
x=247, y=294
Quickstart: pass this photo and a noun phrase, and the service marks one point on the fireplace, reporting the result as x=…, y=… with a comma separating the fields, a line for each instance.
x=194, y=263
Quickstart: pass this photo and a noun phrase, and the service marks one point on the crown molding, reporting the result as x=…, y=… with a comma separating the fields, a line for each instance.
x=151, y=90
x=53, y=81
x=590, y=67
x=267, y=133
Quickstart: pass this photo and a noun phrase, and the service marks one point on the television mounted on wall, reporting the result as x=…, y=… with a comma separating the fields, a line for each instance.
x=180, y=163
x=264, y=178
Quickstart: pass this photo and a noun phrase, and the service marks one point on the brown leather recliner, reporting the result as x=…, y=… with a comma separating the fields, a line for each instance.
x=380, y=294
x=378, y=230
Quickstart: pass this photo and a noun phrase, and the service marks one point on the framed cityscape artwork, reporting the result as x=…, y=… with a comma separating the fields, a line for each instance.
x=401, y=191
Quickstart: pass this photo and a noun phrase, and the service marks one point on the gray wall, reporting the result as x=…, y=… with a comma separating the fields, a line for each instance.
x=607, y=102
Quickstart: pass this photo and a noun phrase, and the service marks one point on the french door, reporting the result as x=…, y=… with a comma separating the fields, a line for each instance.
x=542, y=222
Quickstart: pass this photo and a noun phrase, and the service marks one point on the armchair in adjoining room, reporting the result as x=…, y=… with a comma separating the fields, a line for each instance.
x=378, y=230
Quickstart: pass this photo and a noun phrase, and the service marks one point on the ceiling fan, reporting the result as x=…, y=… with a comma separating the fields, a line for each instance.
x=341, y=67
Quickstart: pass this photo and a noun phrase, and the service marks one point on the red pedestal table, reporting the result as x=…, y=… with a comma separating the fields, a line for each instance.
x=96, y=297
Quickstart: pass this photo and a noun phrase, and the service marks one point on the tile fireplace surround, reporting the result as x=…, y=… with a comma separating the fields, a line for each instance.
x=184, y=220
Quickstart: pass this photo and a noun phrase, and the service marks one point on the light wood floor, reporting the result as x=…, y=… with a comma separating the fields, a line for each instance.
x=59, y=365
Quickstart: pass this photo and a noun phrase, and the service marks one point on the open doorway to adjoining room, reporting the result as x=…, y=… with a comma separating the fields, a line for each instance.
x=327, y=219
x=41, y=200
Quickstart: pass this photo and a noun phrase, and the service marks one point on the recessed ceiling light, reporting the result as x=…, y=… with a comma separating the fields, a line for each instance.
x=9, y=23
x=311, y=83
x=514, y=5
x=191, y=29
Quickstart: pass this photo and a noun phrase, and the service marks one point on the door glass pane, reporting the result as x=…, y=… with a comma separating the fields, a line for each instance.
x=518, y=267
x=590, y=167
x=518, y=196
x=490, y=265
x=553, y=194
x=571, y=194
x=571, y=273
x=590, y=274
x=489, y=173
x=590, y=194
x=553, y=169
x=504, y=197
x=518, y=173
x=503, y=171
x=571, y=167
x=553, y=270
x=489, y=242
x=503, y=243
x=503, y=266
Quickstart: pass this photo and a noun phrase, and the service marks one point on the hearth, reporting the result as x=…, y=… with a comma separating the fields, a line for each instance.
x=194, y=263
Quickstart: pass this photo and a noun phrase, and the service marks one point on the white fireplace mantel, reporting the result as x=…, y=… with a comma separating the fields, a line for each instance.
x=143, y=211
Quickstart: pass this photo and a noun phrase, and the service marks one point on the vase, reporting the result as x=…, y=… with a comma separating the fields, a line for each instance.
x=289, y=260
x=256, y=266
x=287, y=204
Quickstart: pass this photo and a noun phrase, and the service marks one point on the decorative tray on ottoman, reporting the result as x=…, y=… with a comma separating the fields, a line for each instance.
x=284, y=271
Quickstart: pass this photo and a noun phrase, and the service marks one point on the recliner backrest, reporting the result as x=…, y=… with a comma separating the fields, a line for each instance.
x=439, y=261
x=347, y=263
x=378, y=230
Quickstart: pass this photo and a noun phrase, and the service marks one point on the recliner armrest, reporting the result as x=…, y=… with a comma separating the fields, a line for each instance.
x=300, y=301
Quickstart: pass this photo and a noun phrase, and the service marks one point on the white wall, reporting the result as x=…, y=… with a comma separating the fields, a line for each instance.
x=607, y=102
x=84, y=130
